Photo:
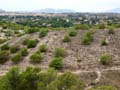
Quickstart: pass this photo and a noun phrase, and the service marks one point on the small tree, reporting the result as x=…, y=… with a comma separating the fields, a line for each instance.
x=16, y=58
x=14, y=49
x=104, y=42
x=5, y=47
x=104, y=88
x=36, y=58
x=105, y=59
x=43, y=33
x=87, y=38
x=56, y=63
x=43, y=48
x=25, y=41
x=82, y=26
x=72, y=33
x=24, y=52
x=111, y=31
x=4, y=56
x=32, y=43
x=101, y=26
x=66, y=38
x=59, y=52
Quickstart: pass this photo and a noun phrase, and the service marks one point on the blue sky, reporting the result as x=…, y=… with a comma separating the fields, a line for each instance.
x=77, y=5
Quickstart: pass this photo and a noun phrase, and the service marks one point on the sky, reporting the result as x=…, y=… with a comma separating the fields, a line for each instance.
x=77, y=5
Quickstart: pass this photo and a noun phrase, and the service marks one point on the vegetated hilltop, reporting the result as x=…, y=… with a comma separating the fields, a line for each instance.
x=91, y=54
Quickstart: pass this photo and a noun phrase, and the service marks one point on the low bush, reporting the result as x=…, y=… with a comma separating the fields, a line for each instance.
x=104, y=42
x=25, y=41
x=105, y=58
x=101, y=26
x=111, y=31
x=82, y=26
x=2, y=40
x=66, y=38
x=4, y=56
x=43, y=33
x=59, y=52
x=56, y=63
x=14, y=49
x=5, y=47
x=72, y=33
x=43, y=48
x=24, y=52
x=36, y=58
x=104, y=88
x=32, y=43
x=16, y=58
x=87, y=38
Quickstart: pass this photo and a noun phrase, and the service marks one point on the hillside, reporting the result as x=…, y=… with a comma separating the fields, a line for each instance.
x=83, y=60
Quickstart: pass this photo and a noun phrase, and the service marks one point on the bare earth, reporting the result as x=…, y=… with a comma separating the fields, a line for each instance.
x=80, y=59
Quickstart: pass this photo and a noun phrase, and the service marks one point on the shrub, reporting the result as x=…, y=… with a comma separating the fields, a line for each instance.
x=59, y=52
x=43, y=48
x=101, y=26
x=43, y=33
x=24, y=52
x=2, y=40
x=105, y=58
x=104, y=42
x=104, y=88
x=111, y=31
x=25, y=41
x=32, y=43
x=16, y=58
x=4, y=56
x=87, y=38
x=66, y=38
x=72, y=33
x=14, y=49
x=5, y=47
x=56, y=63
x=36, y=58
x=82, y=26
x=31, y=30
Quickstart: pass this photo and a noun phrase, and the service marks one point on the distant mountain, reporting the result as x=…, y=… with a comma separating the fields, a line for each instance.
x=1, y=10
x=116, y=10
x=49, y=10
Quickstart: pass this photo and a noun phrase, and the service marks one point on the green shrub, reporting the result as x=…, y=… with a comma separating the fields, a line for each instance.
x=4, y=56
x=104, y=42
x=105, y=58
x=25, y=41
x=31, y=30
x=43, y=33
x=66, y=38
x=104, y=88
x=2, y=40
x=43, y=48
x=14, y=49
x=32, y=43
x=111, y=31
x=72, y=33
x=16, y=58
x=56, y=63
x=36, y=58
x=24, y=52
x=82, y=26
x=5, y=47
x=87, y=38
x=101, y=26
x=59, y=52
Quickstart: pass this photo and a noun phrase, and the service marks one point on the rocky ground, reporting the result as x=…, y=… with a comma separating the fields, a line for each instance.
x=80, y=59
